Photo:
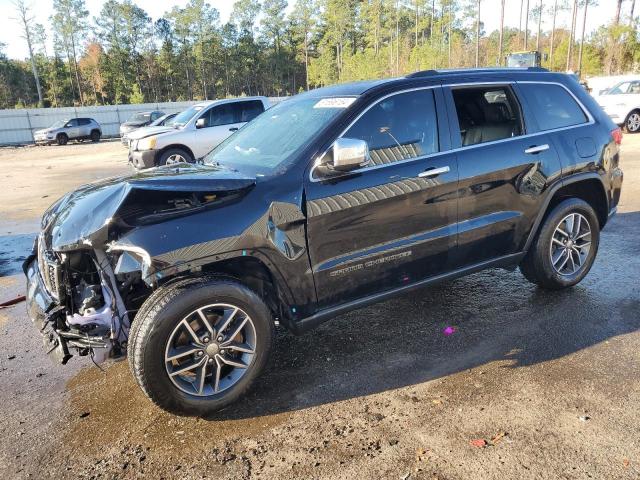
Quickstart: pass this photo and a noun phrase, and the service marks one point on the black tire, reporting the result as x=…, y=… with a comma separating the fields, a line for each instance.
x=537, y=266
x=172, y=152
x=62, y=139
x=95, y=136
x=155, y=324
x=632, y=122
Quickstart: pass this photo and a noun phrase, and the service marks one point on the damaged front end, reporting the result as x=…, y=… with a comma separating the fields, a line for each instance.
x=75, y=299
x=83, y=286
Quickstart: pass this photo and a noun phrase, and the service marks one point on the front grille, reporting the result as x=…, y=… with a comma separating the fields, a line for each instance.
x=50, y=270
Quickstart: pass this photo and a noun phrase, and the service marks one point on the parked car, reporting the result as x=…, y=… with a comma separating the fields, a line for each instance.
x=622, y=103
x=332, y=200
x=70, y=129
x=138, y=120
x=196, y=131
x=165, y=123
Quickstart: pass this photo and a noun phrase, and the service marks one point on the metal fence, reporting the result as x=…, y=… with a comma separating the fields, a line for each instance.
x=17, y=126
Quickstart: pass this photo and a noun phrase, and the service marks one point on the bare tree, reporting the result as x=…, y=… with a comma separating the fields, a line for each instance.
x=616, y=18
x=539, y=26
x=632, y=20
x=553, y=31
x=26, y=20
x=499, y=60
x=584, y=24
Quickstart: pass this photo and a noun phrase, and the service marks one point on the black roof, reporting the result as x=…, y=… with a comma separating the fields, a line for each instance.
x=460, y=74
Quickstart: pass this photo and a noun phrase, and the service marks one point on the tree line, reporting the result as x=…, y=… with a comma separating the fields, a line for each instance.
x=122, y=56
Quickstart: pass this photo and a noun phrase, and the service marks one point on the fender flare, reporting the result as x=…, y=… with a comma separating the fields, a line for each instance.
x=580, y=177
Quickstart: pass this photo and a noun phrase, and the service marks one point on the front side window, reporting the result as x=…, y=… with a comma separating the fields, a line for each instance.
x=552, y=106
x=399, y=127
x=619, y=89
x=72, y=123
x=486, y=114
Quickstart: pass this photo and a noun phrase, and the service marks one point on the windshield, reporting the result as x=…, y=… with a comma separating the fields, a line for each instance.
x=273, y=136
x=165, y=120
x=140, y=117
x=183, y=117
x=619, y=89
x=59, y=124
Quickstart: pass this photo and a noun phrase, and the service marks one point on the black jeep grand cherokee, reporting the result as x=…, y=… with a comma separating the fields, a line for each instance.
x=329, y=201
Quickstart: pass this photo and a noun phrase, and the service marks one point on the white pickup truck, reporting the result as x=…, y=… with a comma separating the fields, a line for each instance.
x=194, y=132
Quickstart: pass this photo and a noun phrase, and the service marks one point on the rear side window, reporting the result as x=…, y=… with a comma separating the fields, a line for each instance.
x=250, y=110
x=83, y=121
x=399, y=127
x=552, y=106
x=486, y=114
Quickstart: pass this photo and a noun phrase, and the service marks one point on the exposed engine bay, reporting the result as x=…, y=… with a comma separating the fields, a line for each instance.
x=92, y=317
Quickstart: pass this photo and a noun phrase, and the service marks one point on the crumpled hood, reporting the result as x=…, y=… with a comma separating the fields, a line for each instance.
x=82, y=217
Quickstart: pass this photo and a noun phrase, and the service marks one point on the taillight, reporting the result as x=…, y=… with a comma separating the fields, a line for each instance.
x=617, y=135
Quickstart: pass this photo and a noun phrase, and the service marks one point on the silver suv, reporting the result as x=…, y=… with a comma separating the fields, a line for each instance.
x=71, y=129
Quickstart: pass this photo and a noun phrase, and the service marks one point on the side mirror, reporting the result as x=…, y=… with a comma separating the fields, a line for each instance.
x=201, y=123
x=348, y=154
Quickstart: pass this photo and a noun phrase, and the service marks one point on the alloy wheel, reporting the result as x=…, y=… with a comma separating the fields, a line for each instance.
x=175, y=158
x=570, y=244
x=210, y=349
x=633, y=122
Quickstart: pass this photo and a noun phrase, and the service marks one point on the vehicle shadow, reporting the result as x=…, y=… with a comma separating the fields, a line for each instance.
x=497, y=317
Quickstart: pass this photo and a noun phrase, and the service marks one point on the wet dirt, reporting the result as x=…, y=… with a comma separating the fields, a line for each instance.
x=548, y=381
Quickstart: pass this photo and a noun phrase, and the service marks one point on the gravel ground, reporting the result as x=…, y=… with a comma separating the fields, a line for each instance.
x=531, y=384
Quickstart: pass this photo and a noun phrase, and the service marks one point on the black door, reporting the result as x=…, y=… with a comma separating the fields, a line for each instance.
x=504, y=170
x=393, y=222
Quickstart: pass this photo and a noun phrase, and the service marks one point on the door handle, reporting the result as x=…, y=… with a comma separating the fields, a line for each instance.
x=537, y=149
x=433, y=172
x=233, y=129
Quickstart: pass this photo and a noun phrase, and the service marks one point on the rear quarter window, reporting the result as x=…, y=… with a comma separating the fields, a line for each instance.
x=552, y=106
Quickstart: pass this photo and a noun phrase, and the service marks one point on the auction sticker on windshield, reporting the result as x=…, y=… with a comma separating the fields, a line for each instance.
x=343, y=102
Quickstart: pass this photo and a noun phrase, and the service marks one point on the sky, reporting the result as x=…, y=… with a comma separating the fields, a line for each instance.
x=16, y=47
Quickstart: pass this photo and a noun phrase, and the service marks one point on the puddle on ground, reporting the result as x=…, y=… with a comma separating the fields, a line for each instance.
x=14, y=249
x=108, y=408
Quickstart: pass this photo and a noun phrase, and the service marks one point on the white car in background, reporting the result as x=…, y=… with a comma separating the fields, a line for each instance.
x=622, y=103
x=196, y=131
x=163, y=124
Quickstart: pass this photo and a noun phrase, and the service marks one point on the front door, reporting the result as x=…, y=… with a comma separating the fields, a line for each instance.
x=393, y=222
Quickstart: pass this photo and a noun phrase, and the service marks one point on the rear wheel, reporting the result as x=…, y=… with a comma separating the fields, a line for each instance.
x=200, y=345
x=565, y=248
x=62, y=139
x=632, y=122
x=95, y=136
x=174, y=156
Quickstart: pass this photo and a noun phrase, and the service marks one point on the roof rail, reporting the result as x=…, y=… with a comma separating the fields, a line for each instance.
x=429, y=73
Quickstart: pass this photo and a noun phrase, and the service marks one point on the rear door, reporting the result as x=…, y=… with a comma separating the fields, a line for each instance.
x=393, y=222
x=571, y=127
x=504, y=170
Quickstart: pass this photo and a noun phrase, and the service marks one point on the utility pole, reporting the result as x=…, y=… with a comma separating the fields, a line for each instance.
x=526, y=27
x=553, y=31
x=478, y=36
x=573, y=28
x=499, y=59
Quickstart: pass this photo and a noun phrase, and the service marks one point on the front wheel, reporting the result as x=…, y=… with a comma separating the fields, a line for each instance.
x=174, y=156
x=565, y=248
x=200, y=346
x=62, y=139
